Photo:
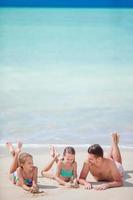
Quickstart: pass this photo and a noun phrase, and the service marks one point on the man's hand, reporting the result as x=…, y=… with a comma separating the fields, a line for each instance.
x=103, y=186
x=88, y=186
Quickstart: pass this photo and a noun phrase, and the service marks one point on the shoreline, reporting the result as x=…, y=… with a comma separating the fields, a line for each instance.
x=45, y=149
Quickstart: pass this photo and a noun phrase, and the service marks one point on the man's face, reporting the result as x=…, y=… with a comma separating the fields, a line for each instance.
x=92, y=159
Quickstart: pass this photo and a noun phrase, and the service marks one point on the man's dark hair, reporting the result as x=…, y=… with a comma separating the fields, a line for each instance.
x=96, y=149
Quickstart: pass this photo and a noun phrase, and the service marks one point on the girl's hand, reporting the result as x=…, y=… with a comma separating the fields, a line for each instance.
x=68, y=185
x=74, y=183
x=34, y=189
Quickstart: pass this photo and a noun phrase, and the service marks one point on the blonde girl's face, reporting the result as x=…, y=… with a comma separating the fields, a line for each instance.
x=28, y=165
x=69, y=158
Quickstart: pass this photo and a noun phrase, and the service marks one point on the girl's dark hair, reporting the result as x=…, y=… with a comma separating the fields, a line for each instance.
x=70, y=150
x=96, y=149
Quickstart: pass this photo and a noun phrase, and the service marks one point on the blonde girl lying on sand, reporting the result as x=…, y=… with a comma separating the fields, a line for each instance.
x=66, y=173
x=22, y=172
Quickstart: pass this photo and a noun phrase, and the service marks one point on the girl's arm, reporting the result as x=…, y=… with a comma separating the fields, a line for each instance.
x=57, y=176
x=35, y=188
x=83, y=175
x=35, y=172
x=75, y=170
x=20, y=181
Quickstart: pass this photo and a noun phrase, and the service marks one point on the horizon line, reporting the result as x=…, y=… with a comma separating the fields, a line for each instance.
x=68, y=3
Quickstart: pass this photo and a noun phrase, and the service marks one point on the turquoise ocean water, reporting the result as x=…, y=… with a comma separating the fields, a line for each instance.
x=66, y=75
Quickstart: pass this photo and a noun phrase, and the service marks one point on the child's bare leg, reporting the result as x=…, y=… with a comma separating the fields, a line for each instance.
x=10, y=148
x=19, y=146
x=116, y=155
x=55, y=156
x=49, y=165
x=110, y=153
x=15, y=164
x=47, y=174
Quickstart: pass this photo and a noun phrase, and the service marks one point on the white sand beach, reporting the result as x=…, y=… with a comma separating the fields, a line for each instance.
x=50, y=190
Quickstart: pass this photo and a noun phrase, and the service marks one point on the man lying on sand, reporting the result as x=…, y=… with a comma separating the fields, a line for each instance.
x=103, y=169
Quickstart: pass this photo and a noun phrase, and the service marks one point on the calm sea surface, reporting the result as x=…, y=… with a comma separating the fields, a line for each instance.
x=66, y=75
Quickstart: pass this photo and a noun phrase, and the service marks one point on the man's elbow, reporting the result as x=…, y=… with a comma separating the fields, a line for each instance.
x=120, y=183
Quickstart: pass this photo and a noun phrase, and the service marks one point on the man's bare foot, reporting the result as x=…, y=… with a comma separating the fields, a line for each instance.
x=10, y=148
x=114, y=138
x=118, y=138
x=19, y=146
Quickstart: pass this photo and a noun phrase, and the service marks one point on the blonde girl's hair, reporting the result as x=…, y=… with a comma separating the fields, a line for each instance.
x=23, y=157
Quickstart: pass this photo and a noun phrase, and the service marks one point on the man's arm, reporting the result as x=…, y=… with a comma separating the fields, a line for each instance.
x=112, y=184
x=117, y=180
x=83, y=175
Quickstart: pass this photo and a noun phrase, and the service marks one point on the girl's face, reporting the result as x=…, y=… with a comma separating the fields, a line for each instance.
x=69, y=158
x=28, y=165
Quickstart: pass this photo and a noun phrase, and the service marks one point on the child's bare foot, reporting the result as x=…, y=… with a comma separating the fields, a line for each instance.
x=54, y=153
x=19, y=146
x=57, y=156
x=10, y=148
